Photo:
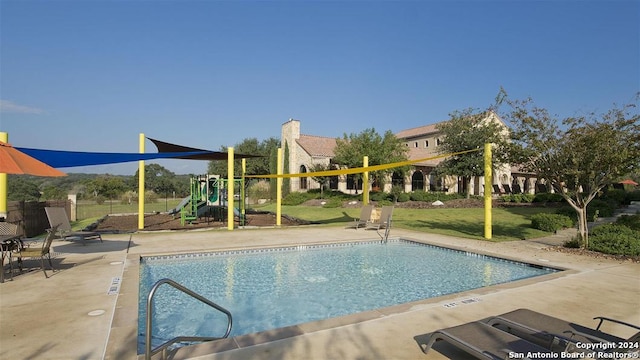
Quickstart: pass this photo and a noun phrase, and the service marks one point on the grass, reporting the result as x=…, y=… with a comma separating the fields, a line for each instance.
x=508, y=223
x=91, y=210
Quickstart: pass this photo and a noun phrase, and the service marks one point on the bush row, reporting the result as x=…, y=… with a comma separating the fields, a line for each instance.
x=551, y=222
x=615, y=239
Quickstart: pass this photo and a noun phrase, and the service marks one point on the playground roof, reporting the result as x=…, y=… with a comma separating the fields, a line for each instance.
x=61, y=158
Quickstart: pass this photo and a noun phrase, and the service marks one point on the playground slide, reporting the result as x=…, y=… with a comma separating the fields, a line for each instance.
x=182, y=204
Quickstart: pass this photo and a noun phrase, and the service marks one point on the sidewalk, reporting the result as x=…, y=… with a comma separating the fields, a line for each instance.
x=74, y=313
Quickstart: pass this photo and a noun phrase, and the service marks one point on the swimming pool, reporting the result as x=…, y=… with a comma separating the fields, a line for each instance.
x=277, y=287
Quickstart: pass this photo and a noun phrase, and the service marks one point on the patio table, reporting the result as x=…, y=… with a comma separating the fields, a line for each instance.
x=8, y=243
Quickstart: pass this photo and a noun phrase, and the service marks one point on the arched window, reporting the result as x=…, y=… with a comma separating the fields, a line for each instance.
x=417, y=181
x=303, y=180
x=397, y=179
x=426, y=143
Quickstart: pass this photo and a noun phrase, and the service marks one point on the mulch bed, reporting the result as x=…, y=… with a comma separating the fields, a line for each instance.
x=161, y=221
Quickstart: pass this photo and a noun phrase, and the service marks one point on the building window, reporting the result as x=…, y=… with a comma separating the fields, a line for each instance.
x=353, y=183
x=397, y=179
x=303, y=180
x=438, y=142
x=426, y=143
x=417, y=181
x=415, y=144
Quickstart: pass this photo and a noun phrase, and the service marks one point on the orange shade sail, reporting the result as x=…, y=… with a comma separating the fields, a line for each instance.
x=13, y=161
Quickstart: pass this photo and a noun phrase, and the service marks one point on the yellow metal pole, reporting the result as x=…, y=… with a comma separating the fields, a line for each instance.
x=230, y=188
x=242, y=195
x=279, y=189
x=141, y=185
x=488, y=184
x=4, y=137
x=365, y=181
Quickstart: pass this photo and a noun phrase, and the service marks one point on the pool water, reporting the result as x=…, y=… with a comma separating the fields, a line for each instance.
x=272, y=288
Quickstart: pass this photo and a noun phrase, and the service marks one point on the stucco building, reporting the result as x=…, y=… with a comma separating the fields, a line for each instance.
x=422, y=142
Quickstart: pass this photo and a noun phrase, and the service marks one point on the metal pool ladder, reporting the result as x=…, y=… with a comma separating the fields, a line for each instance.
x=148, y=353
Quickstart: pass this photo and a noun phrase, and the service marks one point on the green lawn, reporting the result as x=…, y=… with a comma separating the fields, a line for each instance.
x=508, y=223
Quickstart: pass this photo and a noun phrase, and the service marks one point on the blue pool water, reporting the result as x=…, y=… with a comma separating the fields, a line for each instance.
x=271, y=288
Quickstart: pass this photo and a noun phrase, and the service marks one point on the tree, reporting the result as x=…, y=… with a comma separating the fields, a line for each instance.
x=158, y=179
x=21, y=189
x=107, y=186
x=249, y=146
x=322, y=180
x=53, y=193
x=577, y=156
x=467, y=130
x=351, y=149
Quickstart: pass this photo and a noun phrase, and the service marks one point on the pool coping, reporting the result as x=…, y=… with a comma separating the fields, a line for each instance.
x=123, y=336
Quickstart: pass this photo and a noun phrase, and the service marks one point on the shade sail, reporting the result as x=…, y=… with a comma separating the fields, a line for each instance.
x=61, y=158
x=13, y=161
x=165, y=147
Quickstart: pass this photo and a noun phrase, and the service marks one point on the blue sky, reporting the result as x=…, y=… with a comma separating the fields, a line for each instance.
x=93, y=75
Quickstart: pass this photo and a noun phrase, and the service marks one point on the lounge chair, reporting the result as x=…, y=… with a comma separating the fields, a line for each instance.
x=543, y=329
x=58, y=217
x=384, y=221
x=38, y=251
x=365, y=216
x=484, y=341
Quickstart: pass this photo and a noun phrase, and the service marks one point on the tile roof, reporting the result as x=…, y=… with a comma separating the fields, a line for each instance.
x=317, y=145
x=420, y=153
x=417, y=131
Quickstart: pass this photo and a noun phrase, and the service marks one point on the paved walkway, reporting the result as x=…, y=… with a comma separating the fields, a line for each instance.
x=73, y=314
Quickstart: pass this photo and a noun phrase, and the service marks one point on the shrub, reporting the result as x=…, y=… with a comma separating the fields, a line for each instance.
x=603, y=208
x=547, y=197
x=379, y=196
x=550, y=222
x=632, y=196
x=630, y=221
x=297, y=198
x=615, y=239
x=615, y=195
x=518, y=198
x=419, y=195
x=259, y=190
x=574, y=243
x=333, y=202
x=403, y=197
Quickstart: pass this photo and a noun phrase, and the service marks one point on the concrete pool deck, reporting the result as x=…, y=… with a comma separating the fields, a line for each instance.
x=71, y=315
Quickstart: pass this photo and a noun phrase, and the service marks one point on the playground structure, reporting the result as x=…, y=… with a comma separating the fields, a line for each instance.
x=209, y=197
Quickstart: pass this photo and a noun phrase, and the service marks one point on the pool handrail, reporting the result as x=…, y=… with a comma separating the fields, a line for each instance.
x=149, y=320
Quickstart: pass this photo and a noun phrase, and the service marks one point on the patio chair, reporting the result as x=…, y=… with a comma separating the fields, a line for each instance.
x=384, y=221
x=545, y=330
x=483, y=341
x=38, y=251
x=365, y=216
x=58, y=216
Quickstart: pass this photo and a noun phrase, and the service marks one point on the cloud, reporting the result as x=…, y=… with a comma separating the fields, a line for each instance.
x=7, y=106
